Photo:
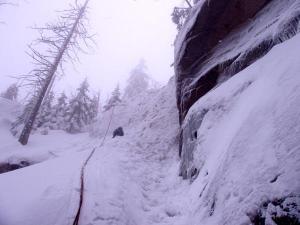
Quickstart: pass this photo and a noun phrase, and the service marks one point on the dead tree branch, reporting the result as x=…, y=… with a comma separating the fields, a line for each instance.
x=58, y=43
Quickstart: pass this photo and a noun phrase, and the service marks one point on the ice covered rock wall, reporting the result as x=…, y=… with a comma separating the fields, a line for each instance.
x=241, y=144
x=237, y=94
x=223, y=37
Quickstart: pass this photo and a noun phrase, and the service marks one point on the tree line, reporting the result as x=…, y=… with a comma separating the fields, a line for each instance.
x=75, y=113
x=58, y=43
x=72, y=114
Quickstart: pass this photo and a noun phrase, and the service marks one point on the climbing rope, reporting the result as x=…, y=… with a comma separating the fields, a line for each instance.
x=82, y=172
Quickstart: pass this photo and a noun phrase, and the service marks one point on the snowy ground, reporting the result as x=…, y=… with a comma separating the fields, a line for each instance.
x=127, y=181
x=133, y=180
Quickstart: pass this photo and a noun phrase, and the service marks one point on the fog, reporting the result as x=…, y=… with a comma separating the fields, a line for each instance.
x=126, y=31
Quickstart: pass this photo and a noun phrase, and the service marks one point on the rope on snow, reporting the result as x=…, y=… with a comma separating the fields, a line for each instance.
x=82, y=172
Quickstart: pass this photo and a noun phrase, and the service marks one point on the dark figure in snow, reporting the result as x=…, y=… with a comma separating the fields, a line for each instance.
x=118, y=132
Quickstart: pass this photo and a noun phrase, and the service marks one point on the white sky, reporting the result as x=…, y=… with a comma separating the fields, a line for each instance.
x=127, y=31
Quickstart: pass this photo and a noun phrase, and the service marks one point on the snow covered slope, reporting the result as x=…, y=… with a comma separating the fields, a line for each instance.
x=126, y=181
x=40, y=148
x=149, y=117
x=46, y=192
x=241, y=144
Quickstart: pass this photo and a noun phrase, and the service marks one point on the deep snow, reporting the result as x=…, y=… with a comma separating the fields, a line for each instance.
x=248, y=137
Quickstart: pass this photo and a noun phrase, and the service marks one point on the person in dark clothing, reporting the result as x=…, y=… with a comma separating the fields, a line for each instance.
x=118, y=132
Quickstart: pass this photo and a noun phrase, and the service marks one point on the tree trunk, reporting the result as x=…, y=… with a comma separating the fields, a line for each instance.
x=189, y=4
x=24, y=137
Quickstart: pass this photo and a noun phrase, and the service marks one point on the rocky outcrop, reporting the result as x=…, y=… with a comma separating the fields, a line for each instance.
x=222, y=37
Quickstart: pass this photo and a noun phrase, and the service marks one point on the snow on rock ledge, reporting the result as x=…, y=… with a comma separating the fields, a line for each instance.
x=223, y=37
x=241, y=144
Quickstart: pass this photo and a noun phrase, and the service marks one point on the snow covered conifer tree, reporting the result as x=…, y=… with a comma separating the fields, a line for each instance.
x=11, y=92
x=45, y=116
x=60, y=113
x=80, y=111
x=23, y=117
x=95, y=106
x=114, y=99
x=138, y=81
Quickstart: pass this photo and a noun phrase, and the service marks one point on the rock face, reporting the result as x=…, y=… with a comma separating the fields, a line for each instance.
x=237, y=86
x=241, y=144
x=222, y=37
x=214, y=21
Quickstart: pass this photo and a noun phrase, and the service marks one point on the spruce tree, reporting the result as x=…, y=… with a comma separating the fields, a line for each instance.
x=23, y=117
x=79, y=111
x=60, y=113
x=44, y=118
x=95, y=106
x=11, y=92
x=138, y=81
x=114, y=99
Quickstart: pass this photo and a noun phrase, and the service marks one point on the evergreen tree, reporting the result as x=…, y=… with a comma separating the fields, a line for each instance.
x=80, y=112
x=95, y=106
x=11, y=92
x=138, y=81
x=23, y=117
x=114, y=99
x=45, y=116
x=60, y=113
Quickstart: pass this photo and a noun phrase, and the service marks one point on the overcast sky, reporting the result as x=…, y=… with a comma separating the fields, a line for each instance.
x=127, y=30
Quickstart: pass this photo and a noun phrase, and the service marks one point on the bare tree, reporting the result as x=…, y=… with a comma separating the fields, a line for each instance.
x=58, y=42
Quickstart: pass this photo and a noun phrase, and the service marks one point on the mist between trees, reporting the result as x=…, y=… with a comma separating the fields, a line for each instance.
x=60, y=43
x=77, y=112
